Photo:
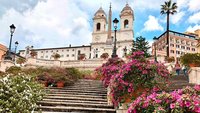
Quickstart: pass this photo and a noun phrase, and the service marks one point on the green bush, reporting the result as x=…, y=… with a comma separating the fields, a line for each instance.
x=13, y=70
x=190, y=58
x=19, y=94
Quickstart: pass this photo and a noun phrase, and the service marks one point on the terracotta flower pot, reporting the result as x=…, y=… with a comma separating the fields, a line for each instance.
x=60, y=84
x=45, y=83
x=192, y=65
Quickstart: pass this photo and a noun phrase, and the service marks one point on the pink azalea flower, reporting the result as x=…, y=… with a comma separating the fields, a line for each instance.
x=172, y=105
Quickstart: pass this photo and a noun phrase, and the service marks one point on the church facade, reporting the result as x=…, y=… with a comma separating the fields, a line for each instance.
x=102, y=39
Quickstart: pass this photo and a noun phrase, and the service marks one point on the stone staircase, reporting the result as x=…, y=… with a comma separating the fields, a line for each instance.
x=85, y=96
x=178, y=82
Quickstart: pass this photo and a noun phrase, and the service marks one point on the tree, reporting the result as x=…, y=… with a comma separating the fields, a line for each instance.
x=141, y=45
x=168, y=8
x=20, y=61
x=56, y=56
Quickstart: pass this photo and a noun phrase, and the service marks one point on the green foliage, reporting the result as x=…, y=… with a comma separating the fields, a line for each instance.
x=1, y=73
x=20, y=60
x=13, y=70
x=56, y=56
x=141, y=45
x=190, y=58
x=19, y=94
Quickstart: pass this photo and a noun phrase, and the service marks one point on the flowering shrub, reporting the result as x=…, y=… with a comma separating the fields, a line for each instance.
x=109, y=69
x=185, y=100
x=136, y=76
x=19, y=94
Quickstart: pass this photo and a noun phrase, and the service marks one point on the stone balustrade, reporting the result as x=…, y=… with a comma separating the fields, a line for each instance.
x=4, y=64
x=89, y=64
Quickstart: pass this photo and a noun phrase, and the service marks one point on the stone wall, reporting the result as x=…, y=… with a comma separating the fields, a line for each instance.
x=194, y=75
x=4, y=64
x=89, y=64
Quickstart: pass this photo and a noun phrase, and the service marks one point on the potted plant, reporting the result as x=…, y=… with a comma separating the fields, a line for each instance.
x=33, y=54
x=81, y=56
x=60, y=80
x=56, y=56
x=104, y=55
x=46, y=79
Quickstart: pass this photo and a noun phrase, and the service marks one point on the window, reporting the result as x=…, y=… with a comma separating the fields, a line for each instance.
x=41, y=51
x=172, y=45
x=177, y=46
x=46, y=56
x=125, y=23
x=98, y=26
x=193, y=49
x=188, y=48
x=62, y=50
x=46, y=51
x=41, y=57
x=177, y=41
x=67, y=55
x=52, y=51
x=79, y=52
x=182, y=47
x=72, y=55
x=177, y=52
x=72, y=49
x=56, y=50
x=67, y=50
x=172, y=51
x=62, y=55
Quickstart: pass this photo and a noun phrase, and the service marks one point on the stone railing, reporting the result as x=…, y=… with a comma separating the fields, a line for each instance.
x=89, y=64
x=194, y=75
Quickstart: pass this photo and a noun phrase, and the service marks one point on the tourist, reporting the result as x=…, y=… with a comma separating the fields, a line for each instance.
x=177, y=68
x=184, y=68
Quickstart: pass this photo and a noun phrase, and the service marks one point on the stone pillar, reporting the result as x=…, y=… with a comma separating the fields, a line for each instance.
x=108, y=96
x=122, y=109
x=194, y=75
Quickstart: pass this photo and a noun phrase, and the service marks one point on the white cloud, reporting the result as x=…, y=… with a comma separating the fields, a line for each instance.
x=47, y=25
x=194, y=5
x=176, y=18
x=152, y=24
x=195, y=18
x=193, y=28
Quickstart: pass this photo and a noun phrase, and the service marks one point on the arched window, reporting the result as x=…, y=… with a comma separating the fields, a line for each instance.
x=98, y=26
x=125, y=23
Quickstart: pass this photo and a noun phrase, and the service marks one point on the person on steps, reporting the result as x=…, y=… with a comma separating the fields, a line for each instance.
x=177, y=68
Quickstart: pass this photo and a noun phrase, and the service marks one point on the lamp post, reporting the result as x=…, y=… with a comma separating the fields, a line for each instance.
x=16, y=44
x=155, y=39
x=114, y=54
x=12, y=30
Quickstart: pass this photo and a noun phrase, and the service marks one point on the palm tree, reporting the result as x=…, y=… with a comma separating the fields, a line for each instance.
x=168, y=8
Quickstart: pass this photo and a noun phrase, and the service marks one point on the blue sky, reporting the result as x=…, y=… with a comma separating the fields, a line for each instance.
x=58, y=23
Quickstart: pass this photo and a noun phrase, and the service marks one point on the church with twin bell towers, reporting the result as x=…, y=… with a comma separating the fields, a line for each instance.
x=103, y=37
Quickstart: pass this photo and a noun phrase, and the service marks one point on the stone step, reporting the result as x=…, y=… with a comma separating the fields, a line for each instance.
x=83, y=96
x=80, y=93
x=69, y=104
x=75, y=98
x=84, y=88
x=75, y=101
x=83, y=91
x=73, y=109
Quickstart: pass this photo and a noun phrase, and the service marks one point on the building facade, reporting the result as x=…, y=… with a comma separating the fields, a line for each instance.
x=3, y=50
x=179, y=44
x=102, y=38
